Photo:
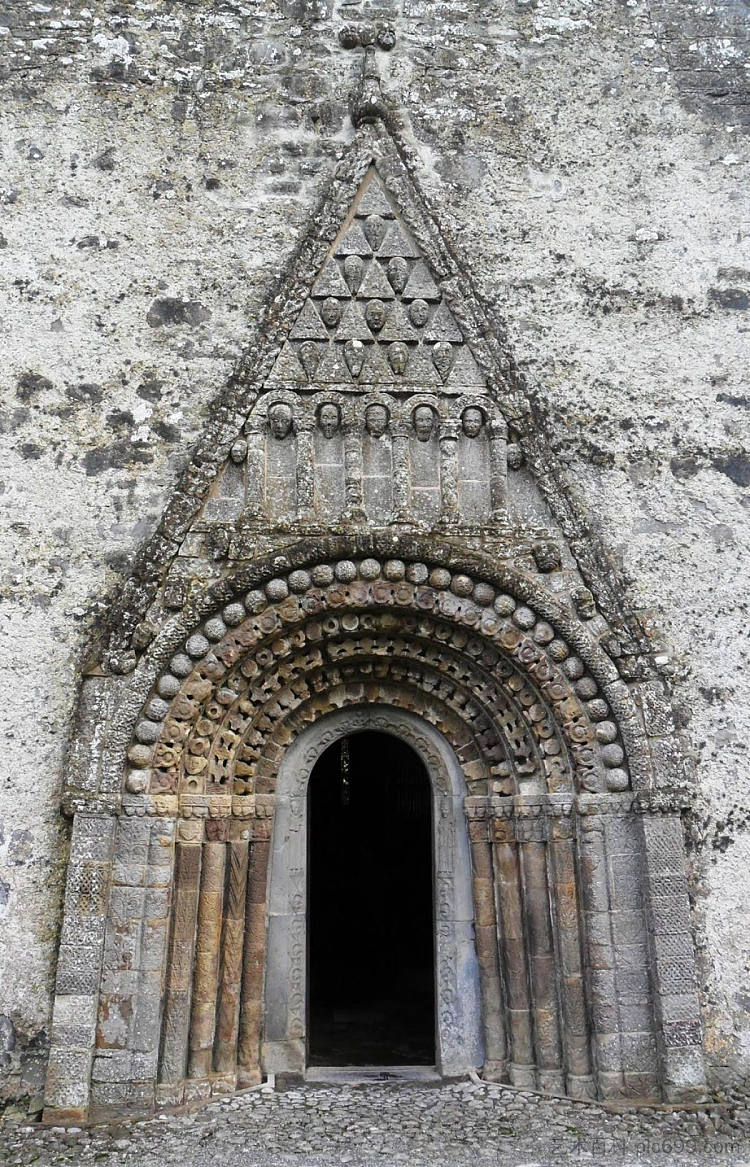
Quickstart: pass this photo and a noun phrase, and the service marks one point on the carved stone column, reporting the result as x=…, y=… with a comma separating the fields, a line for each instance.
x=401, y=434
x=206, y=980
x=449, y=511
x=498, y=439
x=562, y=863
x=532, y=849
x=255, y=476
x=600, y=946
x=179, y=981
x=485, y=926
x=508, y=892
x=227, y=1025
x=254, y=954
x=305, y=469
x=353, y=472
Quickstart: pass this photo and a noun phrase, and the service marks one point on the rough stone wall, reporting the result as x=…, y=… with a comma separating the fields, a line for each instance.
x=159, y=163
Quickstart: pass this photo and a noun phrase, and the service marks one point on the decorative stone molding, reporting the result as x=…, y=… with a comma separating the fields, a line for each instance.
x=487, y=637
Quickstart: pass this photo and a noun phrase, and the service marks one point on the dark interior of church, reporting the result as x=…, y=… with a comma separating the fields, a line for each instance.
x=371, y=948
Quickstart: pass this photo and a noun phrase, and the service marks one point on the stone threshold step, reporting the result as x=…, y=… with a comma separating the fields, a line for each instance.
x=357, y=1075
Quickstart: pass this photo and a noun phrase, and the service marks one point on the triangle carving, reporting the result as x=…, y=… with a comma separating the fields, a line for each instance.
x=376, y=288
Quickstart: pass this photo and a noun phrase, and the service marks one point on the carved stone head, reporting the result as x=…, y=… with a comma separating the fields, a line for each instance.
x=280, y=419
x=375, y=315
x=472, y=420
x=376, y=420
x=424, y=422
x=398, y=355
x=418, y=312
x=330, y=312
x=329, y=419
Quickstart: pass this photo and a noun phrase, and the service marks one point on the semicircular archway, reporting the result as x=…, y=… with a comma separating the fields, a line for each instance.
x=459, y=1039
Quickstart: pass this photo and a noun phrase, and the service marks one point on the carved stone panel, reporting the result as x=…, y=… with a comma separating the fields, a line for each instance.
x=375, y=407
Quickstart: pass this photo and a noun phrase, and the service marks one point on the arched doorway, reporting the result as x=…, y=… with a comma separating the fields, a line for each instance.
x=541, y=856
x=371, y=968
x=457, y=1045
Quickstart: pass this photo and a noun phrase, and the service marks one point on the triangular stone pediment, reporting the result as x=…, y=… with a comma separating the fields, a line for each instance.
x=376, y=394
x=375, y=287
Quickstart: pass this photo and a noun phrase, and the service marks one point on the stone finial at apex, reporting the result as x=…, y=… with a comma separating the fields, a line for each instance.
x=367, y=100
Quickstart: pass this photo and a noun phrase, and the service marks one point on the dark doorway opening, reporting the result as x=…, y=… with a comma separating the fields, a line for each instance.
x=370, y=924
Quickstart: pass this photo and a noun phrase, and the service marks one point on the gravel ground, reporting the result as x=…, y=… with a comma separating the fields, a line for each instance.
x=444, y=1124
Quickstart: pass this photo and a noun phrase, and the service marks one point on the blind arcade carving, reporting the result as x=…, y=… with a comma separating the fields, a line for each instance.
x=375, y=408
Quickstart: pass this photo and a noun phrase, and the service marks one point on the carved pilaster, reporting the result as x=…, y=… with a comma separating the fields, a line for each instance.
x=562, y=866
x=179, y=982
x=205, y=984
x=679, y=1036
x=401, y=436
x=449, y=510
x=531, y=833
x=602, y=957
x=305, y=469
x=508, y=893
x=231, y=965
x=353, y=473
x=254, y=954
x=74, y=1016
x=498, y=439
x=485, y=926
x=255, y=475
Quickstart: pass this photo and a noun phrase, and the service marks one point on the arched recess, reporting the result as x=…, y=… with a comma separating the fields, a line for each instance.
x=525, y=707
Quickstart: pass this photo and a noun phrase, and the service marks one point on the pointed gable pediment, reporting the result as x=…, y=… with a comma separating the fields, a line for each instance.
x=374, y=286
x=360, y=372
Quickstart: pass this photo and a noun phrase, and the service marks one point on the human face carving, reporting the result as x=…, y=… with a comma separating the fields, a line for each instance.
x=329, y=419
x=424, y=421
x=472, y=420
x=398, y=355
x=280, y=420
x=376, y=420
x=330, y=312
x=418, y=312
x=375, y=315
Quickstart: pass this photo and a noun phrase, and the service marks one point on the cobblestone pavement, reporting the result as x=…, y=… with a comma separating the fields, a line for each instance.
x=385, y=1125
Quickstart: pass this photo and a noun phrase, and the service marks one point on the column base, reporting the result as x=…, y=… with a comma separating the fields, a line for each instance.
x=522, y=1076
x=551, y=1082
x=581, y=1086
x=494, y=1071
x=65, y=1116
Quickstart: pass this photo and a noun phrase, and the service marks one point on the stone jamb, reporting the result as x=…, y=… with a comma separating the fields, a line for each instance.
x=79, y=968
x=672, y=951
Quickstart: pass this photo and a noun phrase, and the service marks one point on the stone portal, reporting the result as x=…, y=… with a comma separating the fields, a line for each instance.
x=374, y=537
x=370, y=906
x=406, y=792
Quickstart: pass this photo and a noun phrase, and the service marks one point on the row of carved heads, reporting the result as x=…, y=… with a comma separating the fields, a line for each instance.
x=424, y=420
